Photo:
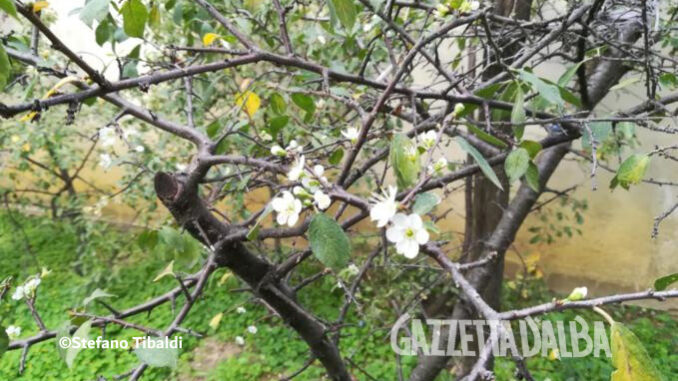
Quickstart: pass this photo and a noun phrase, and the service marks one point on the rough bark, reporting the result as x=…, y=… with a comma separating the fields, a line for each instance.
x=190, y=212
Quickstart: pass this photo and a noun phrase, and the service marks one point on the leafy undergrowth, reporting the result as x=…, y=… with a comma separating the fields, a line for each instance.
x=272, y=351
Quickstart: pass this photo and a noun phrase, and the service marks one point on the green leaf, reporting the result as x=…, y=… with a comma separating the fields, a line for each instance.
x=134, y=16
x=5, y=68
x=345, y=11
x=600, y=132
x=484, y=136
x=278, y=104
x=482, y=163
x=629, y=357
x=550, y=92
x=148, y=239
x=532, y=147
x=631, y=171
x=154, y=16
x=664, y=282
x=305, y=102
x=532, y=177
x=94, y=10
x=98, y=293
x=158, y=357
x=276, y=124
x=82, y=333
x=404, y=158
x=425, y=202
x=8, y=6
x=103, y=32
x=328, y=241
x=518, y=115
x=63, y=330
x=516, y=164
x=336, y=156
x=565, y=79
x=4, y=341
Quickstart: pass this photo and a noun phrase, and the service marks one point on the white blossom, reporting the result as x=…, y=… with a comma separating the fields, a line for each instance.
x=475, y=5
x=385, y=206
x=578, y=293
x=294, y=147
x=458, y=109
x=107, y=136
x=278, y=151
x=322, y=200
x=353, y=269
x=438, y=167
x=13, y=331
x=240, y=340
x=351, y=134
x=139, y=148
x=288, y=208
x=181, y=167
x=241, y=310
x=300, y=192
x=31, y=285
x=407, y=233
x=105, y=160
x=312, y=183
x=297, y=169
x=441, y=10
x=19, y=293
x=266, y=136
x=27, y=290
x=252, y=329
x=321, y=39
x=428, y=138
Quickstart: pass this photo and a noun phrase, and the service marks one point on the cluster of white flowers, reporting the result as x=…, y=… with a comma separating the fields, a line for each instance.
x=105, y=161
x=241, y=310
x=407, y=232
x=240, y=340
x=438, y=167
x=292, y=149
x=289, y=204
x=108, y=137
x=444, y=8
x=27, y=290
x=13, y=331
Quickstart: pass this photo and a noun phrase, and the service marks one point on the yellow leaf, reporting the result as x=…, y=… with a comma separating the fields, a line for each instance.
x=251, y=100
x=28, y=117
x=40, y=5
x=554, y=354
x=630, y=358
x=209, y=38
x=169, y=270
x=26, y=147
x=224, y=278
x=59, y=84
x=214, y=323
